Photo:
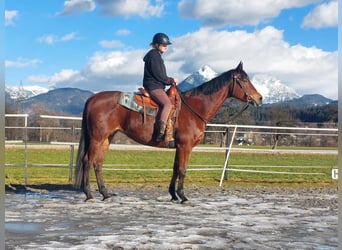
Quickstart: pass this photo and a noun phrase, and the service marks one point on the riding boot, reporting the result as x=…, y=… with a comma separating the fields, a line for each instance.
x=161, y=127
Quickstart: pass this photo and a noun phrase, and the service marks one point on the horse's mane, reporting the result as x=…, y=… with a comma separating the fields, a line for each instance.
x=211, y=86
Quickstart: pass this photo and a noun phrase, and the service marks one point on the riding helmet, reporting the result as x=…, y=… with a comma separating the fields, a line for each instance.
x=161, y=38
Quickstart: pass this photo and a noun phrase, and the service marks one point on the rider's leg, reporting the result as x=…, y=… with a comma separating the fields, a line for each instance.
x=164, y=103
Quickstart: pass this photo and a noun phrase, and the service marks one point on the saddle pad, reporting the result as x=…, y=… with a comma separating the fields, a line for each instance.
x=127, y=100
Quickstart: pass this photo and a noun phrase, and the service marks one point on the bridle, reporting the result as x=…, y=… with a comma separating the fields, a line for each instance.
x=236, y=80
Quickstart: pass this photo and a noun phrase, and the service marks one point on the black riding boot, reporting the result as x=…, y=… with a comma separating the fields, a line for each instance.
x=160, y=128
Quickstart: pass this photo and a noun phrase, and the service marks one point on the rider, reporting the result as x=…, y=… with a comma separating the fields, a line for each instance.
x=155, y=80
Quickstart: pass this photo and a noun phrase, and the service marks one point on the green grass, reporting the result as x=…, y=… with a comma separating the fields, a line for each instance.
x=163, y=160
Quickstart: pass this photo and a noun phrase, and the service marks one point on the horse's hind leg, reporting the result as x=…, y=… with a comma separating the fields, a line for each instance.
x=98, y=168
x=86, y=181
x=100, y=182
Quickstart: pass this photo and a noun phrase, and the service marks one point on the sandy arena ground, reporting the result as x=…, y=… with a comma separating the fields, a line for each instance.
x=142, y=217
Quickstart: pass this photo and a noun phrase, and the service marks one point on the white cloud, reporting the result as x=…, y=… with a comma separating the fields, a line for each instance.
x=10, y=15
x=51, y=39
x=113, y=70
x=115, y=63
x=103, y=63
x=68, y=37
x=235, y=12
x=324, y=15
x=306, y=69
x=143, y=8
x=77, y=6
x=111, y=44
x=126, y=8
x=22, y=63
x=38, y=79
x=123, y=32
x=64, y=77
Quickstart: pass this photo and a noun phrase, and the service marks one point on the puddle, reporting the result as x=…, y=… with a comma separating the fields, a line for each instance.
x=22, y=227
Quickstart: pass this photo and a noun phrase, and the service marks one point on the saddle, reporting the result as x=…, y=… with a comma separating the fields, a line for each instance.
x=143, y=103
x=143, y=98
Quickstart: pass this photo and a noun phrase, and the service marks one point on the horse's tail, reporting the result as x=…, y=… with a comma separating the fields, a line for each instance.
x=83, y=144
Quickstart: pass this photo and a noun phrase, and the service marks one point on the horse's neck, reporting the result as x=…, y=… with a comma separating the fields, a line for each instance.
x=208, y=105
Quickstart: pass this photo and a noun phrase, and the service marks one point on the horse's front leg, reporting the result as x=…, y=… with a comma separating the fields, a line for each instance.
x=179, y=170
x=172, y=187
x=180, y=189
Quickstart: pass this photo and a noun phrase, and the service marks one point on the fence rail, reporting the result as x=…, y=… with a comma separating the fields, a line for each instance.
x=229, y=131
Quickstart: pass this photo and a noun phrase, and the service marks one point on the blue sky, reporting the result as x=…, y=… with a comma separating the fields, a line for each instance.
x=99, y=44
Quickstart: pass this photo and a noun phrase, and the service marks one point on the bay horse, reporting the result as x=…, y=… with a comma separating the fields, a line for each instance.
x=103, y=116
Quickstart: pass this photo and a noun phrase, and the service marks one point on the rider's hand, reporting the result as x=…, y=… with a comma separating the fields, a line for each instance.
x=176, y=81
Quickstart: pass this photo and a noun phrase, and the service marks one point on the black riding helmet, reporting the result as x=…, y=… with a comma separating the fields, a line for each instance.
x=161, y=38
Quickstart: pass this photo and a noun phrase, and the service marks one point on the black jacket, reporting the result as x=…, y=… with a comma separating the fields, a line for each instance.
x=154, y=71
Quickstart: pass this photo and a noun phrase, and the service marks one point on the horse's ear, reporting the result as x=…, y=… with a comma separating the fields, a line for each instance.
x=240, y=66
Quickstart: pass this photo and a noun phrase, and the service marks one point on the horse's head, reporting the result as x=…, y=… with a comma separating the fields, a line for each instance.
x=242, y=88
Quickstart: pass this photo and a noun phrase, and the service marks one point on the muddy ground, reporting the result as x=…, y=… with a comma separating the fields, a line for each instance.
x=142, y=217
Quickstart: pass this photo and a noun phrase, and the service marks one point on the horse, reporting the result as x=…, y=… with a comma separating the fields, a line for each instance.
x=103, y=116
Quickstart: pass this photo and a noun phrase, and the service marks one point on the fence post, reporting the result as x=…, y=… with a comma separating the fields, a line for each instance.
x=25, y=152
x=227, y=143
x=227, y=156
x=72, y=150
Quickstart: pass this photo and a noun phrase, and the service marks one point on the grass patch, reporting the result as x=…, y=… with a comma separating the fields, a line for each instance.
x=118, y=165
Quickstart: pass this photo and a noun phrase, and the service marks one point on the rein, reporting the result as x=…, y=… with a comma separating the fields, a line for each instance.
x=236, y=80
x=191, y=109
x=232, y=117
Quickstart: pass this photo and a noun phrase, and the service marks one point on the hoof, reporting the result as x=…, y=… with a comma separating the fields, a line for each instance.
x=107, y=199
x=186, y=203
x=90, y=200
x=174, y=200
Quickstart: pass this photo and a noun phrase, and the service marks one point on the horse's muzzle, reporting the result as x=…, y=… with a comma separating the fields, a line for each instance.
x=256, y=100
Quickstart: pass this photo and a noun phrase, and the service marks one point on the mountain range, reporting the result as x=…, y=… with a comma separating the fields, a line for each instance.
x=65, y=100
x=271, y=89
x=71, y=100
x=22, y=93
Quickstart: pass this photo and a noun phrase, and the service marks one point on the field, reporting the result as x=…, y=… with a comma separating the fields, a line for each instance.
x=155, y=167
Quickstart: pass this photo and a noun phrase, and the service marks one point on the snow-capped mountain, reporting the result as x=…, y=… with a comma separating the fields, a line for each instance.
x=24, y=92
x=272, y=90
x=204, y=74
x=269, y=87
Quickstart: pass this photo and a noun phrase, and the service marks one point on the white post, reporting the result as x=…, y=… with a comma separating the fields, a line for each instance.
x=25, y=151
x=227, y=156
